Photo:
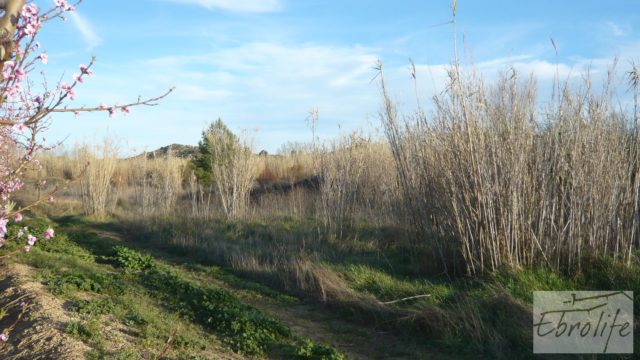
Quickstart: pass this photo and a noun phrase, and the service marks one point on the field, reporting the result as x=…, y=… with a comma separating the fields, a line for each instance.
x=362, y=247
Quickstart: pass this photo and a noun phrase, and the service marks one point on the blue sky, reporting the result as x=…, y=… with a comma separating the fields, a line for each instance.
x=261, y=65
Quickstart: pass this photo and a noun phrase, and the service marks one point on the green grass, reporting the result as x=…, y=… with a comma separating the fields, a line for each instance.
x=102, y=277
x=152, y=284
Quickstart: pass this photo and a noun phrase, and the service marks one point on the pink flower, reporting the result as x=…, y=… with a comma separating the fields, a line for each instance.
x=26, y=248
x=61, y=3
x=44, y=58
x=49, y=234
x=78, y=78
x=85, y=70
x=17, y=217
x=51, y=199
x=30, y=10
x=20, y=127
x=3, y=227
x=19, y=74
x=126, y=110
x=4, y=337
x=31, y=240
x=112, y=111
x=69, y=89
x=103, y=106
x=7, y=69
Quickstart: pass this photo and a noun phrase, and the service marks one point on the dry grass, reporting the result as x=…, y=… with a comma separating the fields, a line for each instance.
x=494, y=177
x=98, y=197
x=517, y=186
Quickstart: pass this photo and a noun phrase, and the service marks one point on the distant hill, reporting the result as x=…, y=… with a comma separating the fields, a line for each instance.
x=177, y=150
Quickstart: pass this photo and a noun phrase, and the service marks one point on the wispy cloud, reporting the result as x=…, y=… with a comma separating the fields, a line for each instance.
x=258, y=6
x=617, y=30
x=86, y=30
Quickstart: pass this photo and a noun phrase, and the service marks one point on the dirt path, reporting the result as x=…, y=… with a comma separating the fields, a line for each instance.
x=40, y=333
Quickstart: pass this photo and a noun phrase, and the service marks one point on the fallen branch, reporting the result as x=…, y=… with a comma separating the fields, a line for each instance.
x=405, y=299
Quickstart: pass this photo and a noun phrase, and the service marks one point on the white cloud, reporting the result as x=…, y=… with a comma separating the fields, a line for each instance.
x=618, y=30
x=259, y=6
x=267, y=85
x=273, y=85
x=86, y=30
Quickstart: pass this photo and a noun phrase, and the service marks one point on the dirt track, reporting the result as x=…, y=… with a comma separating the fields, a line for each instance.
x=40, y=333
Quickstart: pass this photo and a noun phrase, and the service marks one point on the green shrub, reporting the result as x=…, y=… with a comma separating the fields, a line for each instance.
x=93, y=307
x=307, y=349
x=131, y=260
x=98, y=283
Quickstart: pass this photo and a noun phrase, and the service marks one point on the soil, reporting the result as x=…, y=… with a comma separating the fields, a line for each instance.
x=40, y=332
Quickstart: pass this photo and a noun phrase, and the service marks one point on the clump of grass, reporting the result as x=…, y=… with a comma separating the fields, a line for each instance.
x=389, y=288
x=521, y=283
x=89, y=331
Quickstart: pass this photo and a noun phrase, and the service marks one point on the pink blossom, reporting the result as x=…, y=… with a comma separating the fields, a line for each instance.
x=85, y=70
x=49, y=234
x=26, y=248
x=4, y=337
x=69, y=89
x=31, y=240
x=20, y=127
x=19, y=74
x=78, y=78
x=61, y=3
x=7, y=70
x=126, y=110
x=3, y=227
x=112, y=111
x=51, y=199
x=44, y=58
x=17, y=217
x=103, y=106
x=30, y=9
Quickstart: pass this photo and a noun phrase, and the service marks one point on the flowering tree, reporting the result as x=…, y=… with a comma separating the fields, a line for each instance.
x=25, y=108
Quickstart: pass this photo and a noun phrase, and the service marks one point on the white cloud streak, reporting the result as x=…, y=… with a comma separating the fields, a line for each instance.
x=86, y=30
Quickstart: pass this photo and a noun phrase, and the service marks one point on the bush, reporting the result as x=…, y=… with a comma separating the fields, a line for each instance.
x=131, y=260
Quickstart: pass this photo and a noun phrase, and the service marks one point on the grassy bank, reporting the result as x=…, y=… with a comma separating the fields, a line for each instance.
x=462, y=316
x=129, y=304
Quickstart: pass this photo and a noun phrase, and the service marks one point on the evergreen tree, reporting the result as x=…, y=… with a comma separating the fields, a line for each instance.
x=211, y=157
